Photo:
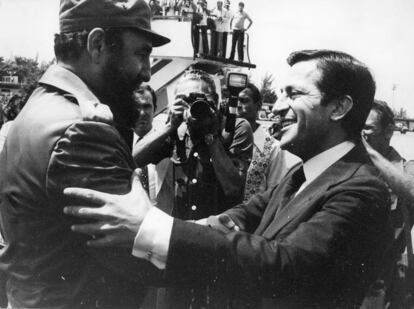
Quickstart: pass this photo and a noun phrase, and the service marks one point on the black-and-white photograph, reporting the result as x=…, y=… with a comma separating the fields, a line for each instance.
x=206, y=154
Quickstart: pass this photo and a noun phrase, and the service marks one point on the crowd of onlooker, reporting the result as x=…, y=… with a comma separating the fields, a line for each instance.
x=210, y=26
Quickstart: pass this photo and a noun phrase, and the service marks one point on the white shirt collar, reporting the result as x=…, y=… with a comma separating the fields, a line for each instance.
x=319, y=163
x=259, y=138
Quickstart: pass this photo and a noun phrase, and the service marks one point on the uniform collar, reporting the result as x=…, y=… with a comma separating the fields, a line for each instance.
x=90, y=106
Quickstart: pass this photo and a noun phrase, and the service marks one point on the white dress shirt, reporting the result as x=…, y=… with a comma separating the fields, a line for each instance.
x=153, y=238
x=319, y=163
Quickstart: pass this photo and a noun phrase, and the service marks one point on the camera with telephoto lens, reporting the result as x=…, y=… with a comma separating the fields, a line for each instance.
x=200, y=106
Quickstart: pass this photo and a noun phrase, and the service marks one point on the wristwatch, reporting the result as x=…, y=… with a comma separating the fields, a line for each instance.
x=209, y=138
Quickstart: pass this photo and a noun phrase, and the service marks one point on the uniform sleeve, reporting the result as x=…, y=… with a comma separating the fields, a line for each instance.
x=93, y=155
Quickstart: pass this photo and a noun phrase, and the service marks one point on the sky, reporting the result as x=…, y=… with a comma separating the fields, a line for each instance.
x=377, y=32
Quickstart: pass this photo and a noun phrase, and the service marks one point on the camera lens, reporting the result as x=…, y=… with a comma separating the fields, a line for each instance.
x=200, y=109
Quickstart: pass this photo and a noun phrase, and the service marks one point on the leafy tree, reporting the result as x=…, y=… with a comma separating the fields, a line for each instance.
x=28, y=71
x=267, y=90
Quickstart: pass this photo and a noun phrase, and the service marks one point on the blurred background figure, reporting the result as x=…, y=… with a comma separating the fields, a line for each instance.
x=237, y=22
x=269, y=163
x=219, y=34
x=170, y=7
x=202, y=16
x=152, y=174
x=394, y=288
x=156, y=8
x=188, y=8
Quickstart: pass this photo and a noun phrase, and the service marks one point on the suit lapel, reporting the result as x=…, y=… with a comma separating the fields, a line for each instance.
x=341, y=170
x=276, y=200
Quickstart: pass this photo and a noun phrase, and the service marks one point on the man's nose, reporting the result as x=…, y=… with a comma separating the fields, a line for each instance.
x=281, y=106
x=146, y=71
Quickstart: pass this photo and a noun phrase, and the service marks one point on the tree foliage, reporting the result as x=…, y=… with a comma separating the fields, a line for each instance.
x=267, y=90
x=28, y=71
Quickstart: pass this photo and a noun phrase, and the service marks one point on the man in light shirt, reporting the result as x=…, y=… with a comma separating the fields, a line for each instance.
x=314, y=241
x=237, y=24
x=219, y=34
x=152, y=174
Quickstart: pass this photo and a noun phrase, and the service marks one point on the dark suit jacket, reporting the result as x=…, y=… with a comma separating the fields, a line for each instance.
x=320, y=251
x=49, y=148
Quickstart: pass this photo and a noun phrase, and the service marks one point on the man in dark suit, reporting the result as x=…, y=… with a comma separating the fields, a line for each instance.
x=314, y=241
x=102, y=54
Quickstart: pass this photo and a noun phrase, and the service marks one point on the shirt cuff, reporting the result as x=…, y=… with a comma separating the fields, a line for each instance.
x=153, y=238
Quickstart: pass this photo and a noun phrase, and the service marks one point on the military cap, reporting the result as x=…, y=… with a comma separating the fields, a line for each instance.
x=78, y=15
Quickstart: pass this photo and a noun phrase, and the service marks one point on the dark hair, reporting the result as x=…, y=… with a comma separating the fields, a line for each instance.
x=257, y=97
x=195, y=74
x=342, y=75
x=241, y=4
x=384, y=112
x=71, y=45
x=145, y=87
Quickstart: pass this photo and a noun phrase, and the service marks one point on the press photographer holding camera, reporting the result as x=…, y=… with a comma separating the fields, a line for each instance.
x=204, y=177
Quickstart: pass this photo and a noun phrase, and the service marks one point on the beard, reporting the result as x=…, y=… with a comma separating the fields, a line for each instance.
x=118, y=92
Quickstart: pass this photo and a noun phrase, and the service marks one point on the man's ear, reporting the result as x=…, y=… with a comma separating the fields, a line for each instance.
x=341, y=107
x=96, y=44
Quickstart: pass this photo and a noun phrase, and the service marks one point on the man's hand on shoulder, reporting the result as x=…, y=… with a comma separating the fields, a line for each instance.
x=119, y=217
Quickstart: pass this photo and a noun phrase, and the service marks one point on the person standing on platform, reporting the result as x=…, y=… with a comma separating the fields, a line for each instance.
x=237, y=24
x=222, y=17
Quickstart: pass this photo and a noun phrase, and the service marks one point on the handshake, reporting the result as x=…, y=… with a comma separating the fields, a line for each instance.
x=118, y=218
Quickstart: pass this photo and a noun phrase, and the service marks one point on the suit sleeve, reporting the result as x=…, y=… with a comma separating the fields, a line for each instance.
x=247, y=216
x=333, y=244
x=93, y=155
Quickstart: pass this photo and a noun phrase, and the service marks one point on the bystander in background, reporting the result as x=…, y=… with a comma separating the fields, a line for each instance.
x=395, y=286
x=269, y=163
x=237, y=24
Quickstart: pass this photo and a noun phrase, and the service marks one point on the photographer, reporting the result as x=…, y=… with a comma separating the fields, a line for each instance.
x=204, y=177
x=208, y=176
